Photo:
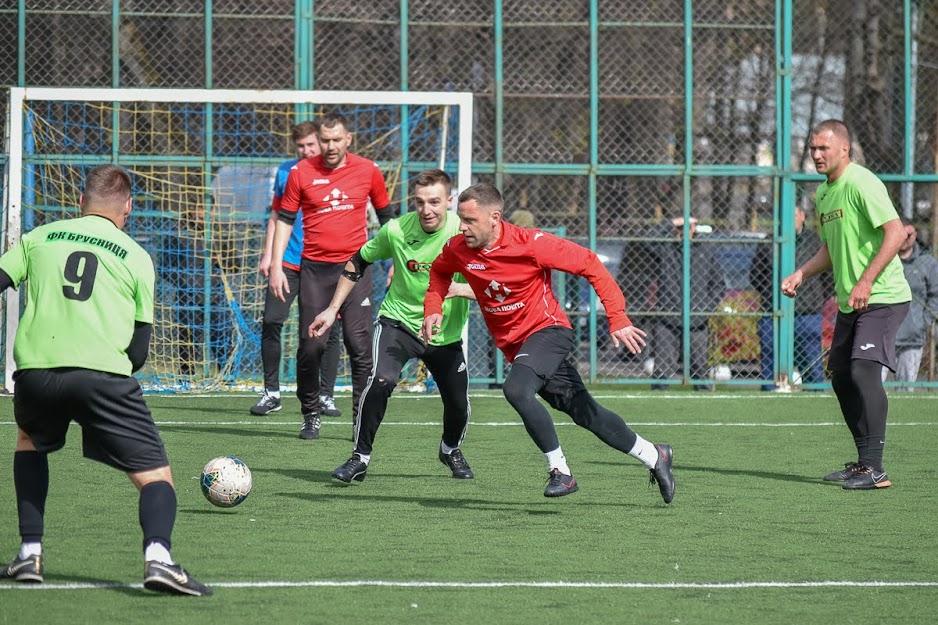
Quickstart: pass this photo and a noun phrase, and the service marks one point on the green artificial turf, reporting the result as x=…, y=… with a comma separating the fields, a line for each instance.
x=753, y=536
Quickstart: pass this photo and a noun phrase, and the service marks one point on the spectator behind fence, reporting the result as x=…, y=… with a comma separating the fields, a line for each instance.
x=921, y=272
x=706, y=290
x=809, y=358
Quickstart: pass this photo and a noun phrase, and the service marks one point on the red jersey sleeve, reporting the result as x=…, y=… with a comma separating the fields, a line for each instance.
x=290, y=201
x=558, y=253
x=441, y=275
x=379, y=192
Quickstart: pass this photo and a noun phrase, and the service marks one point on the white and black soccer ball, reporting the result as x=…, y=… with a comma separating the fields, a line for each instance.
x=226, y=481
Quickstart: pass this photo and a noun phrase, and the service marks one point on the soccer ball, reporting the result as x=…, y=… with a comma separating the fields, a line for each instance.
x=226, y=481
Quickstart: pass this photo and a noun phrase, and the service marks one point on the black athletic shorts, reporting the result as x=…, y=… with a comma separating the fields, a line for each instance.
x=548, y=352
x=545, y=350
x=116, y=424
x=867, y=335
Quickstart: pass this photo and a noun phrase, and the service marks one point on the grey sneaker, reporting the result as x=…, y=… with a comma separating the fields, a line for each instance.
x=172, y=579
x=327, y=406
x=266, y=405
x=28, y=570
x=310, y=429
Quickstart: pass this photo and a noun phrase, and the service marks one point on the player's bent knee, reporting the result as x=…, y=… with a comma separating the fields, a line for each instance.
x=518, y=391
x=159, y=474
x=385, y=384
x=23, y=442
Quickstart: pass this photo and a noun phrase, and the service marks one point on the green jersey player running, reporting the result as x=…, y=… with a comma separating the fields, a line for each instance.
x=412, y=242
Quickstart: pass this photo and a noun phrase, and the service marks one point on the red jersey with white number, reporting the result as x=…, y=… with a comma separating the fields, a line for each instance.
x=511, y=281
x=334, y=204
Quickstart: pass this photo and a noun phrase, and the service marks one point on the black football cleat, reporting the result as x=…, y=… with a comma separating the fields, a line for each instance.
x=310, y=429
x=559, y=484
x=866, y=478
x=172, y=579
x=27, y=570
x=850, y=469
x=457, y=464
x=353, y=469
x=662, y=473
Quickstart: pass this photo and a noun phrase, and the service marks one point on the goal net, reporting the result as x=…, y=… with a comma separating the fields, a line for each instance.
x=202, y=164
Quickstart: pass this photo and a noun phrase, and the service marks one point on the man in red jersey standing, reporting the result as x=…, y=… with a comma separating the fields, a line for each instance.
x=332, y=190
x=508, y=269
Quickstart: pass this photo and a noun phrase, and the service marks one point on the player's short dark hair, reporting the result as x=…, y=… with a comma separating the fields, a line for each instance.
x=484, y=194
x=835, y=126
x=331, y=120
x=107, y=184
x=304, y=129
x=430, y=177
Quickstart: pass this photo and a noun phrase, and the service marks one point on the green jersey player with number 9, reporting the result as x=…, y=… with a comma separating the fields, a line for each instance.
x=86, y=328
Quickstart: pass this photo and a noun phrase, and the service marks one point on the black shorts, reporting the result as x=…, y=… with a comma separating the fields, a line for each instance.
x=867, y=335
x=117, y=427
x=547, y=352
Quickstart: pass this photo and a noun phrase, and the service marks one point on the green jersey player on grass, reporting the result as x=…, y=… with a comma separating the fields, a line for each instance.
x=86, y=328
x=412, y=242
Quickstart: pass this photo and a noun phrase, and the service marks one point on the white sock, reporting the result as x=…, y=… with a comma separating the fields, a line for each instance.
x=556, y=460
x=644, y=451
x=274, y=394
x=156, y=551
x=30, y=549
x=446, y=449
x=364, y=458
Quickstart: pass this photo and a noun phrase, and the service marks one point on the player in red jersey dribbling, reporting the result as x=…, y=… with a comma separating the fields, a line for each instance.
x=509, y=269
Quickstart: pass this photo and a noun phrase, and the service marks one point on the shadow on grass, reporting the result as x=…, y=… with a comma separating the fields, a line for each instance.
x=227, y=429
x=428, y=502
x=768, y=475
x=182, y=407
x=105, y=584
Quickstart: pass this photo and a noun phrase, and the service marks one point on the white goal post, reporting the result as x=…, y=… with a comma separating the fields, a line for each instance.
x=454, y=108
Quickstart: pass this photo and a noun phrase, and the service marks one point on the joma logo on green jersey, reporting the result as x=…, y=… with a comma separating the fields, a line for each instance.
x=826, y=218
x=110, y=246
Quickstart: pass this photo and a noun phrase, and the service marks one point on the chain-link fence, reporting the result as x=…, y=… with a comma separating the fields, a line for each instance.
x=606, y=121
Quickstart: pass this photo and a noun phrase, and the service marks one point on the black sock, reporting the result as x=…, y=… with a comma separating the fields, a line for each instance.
x=157, y=513
x=871, y=427
x=31, y=479
x=849, y=399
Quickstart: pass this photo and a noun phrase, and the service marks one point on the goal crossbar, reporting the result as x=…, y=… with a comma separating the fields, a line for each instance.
x=462, y=102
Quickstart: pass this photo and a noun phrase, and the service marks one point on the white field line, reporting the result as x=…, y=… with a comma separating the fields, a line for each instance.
x=516, y=584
